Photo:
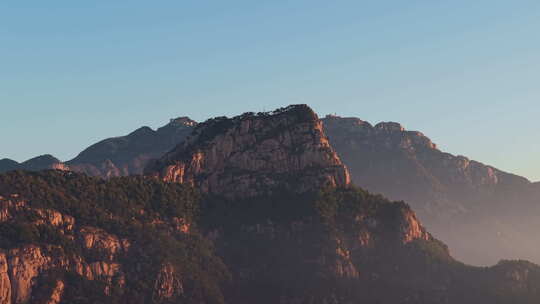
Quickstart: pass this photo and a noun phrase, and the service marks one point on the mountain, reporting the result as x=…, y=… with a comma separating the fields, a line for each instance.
x=255, y=154
x=304, y=235
x=128, y=155
x=454, y=196
x=42, y=162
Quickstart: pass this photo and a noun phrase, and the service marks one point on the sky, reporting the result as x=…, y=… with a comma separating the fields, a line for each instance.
x=465, y=73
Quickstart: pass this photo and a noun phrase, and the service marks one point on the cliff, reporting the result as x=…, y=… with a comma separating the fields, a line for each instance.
x=255, y=154
x=68, y=238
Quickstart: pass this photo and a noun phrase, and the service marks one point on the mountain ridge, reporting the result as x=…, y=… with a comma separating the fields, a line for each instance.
x=445, y=190
x=129, y=154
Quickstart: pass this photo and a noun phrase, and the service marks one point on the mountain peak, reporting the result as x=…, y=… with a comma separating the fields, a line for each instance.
x=44, y=157
x=252, y=154
x=142, y=131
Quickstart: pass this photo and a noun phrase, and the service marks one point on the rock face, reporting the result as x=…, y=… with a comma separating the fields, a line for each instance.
x=42, y=162
x=255, y=154
x=454, y=196
x=36, y=272
x=128, y=155
x=167, y=285
x=21, y=267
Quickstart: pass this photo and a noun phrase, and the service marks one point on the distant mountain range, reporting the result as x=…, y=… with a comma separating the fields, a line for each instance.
x=42, y=162
x=128, y=155
x=117, y=156
x=453, y=196
x=257, y=208
x=483, y=213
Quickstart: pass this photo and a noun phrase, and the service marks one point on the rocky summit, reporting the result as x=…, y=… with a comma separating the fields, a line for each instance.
x=255, y=154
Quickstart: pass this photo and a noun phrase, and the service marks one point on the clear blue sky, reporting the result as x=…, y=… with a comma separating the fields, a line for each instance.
x=466, y=73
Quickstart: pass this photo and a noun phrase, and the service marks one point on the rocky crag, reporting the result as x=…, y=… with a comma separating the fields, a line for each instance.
x=255, y=154
x=64, y=238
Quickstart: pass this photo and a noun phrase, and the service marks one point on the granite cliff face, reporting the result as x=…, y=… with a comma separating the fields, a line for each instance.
x=255, y=154
x=128, y=155
x=64, y=241
x=36, y=272
x=454, y=196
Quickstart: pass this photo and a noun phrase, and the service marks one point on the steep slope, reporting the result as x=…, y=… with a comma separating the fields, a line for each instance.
x=69, y=238
x=255, y=154
x=453, y=195
x=128, y=155
x=348, y=246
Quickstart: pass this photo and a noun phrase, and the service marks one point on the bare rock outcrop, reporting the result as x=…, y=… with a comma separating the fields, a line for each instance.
x=107, y=244
x=102, y=257
x=255, y=154
x=167, y=284
x=24, y=266
x=5, y=282
x=56, y=294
